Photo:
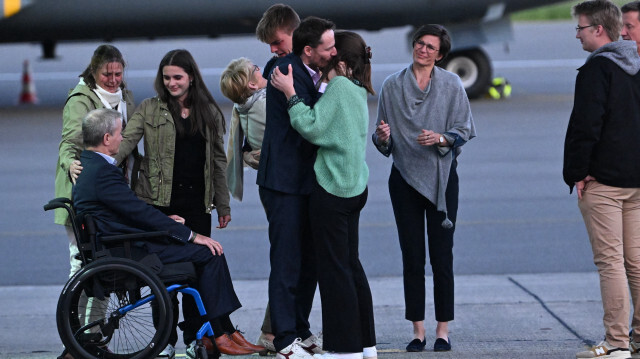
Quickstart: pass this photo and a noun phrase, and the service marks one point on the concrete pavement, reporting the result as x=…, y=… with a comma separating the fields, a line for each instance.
x=497, y=316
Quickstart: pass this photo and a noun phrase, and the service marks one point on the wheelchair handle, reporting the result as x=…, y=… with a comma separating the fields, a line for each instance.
x=59, y=202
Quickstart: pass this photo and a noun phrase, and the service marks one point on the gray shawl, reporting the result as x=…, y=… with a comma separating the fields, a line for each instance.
x=444, y=108
x=247, y=120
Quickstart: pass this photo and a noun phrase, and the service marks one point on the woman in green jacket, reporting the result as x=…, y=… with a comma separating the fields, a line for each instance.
x=184, y=165
x=101, y=85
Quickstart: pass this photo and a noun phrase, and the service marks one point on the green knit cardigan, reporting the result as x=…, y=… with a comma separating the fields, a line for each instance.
x=338, y=125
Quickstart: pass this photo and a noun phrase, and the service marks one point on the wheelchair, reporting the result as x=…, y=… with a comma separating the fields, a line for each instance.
x=131, y=297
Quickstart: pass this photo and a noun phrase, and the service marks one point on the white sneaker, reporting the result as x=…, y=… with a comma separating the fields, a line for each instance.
x=313, y=344
x=634, y=348
x=605, y=350
x=168, y=352
x=370, y=353
x=334, y=355
x=295, y=350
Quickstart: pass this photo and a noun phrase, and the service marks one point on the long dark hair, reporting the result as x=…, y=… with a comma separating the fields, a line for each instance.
x=198, y=98
x=355, y=53
x=104, y=54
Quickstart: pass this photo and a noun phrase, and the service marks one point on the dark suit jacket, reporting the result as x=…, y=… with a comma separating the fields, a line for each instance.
x=102, y=191
x=286, y=159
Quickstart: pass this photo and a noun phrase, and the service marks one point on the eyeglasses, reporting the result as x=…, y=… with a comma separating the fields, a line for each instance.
x=578, y=28
x=430, y=49
x=255, y=68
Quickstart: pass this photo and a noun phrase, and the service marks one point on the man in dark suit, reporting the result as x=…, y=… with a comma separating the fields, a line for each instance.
x=285, y=177
x=102, y=191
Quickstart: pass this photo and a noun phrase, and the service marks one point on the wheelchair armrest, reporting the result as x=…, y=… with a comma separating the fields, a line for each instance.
x=157, y=236
x=60, y=202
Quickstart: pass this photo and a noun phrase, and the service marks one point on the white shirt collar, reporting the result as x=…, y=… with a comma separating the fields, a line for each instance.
x=109, y=159
x=315, y=76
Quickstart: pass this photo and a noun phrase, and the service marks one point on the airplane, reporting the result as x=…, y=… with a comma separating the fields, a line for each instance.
x=470, y=22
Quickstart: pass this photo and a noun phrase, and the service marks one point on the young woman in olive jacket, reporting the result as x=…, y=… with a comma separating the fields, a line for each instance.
x=184, y=165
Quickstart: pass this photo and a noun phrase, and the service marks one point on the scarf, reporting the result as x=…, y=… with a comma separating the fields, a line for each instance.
x=110, y=100
x=247, y=120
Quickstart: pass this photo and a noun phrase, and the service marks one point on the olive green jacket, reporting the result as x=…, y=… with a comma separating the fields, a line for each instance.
x=81, y=100
x=153, y=120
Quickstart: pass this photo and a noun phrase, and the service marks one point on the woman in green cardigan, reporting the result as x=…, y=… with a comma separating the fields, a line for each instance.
x=338, y=124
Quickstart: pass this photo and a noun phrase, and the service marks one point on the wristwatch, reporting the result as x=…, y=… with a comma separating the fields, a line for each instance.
x=441, y=139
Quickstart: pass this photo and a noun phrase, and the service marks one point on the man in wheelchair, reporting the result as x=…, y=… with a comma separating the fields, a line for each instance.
x=102, y=192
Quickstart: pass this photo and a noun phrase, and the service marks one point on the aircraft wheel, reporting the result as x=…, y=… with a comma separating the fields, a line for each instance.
x=474, y=69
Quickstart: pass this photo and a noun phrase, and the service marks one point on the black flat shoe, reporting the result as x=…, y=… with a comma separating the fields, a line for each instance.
x=442, y=345
x=416, y=345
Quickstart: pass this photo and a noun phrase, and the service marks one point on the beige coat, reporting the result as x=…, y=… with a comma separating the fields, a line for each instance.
x=81, y=100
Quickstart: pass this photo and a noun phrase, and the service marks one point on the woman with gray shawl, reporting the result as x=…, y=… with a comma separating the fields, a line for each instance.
x=424, y=118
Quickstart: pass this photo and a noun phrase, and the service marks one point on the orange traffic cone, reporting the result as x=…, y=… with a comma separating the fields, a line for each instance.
x=28, y=95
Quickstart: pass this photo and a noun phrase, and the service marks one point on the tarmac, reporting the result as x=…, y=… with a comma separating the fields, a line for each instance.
x=496, y=316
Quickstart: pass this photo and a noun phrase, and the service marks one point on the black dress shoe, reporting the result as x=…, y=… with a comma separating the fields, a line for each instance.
x=416, y=345
x=442, y=345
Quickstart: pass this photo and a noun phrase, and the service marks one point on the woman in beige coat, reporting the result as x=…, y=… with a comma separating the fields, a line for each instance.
x=101, y=85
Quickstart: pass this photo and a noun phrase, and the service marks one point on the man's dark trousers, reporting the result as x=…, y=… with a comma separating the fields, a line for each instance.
x=286, y=177
x=292, y=282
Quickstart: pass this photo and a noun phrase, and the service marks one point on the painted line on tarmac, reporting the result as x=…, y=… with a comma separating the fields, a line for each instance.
x=587, y=342
x=217, y=71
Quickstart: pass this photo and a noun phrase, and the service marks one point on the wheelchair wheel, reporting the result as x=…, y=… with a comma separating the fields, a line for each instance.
x=114, y=308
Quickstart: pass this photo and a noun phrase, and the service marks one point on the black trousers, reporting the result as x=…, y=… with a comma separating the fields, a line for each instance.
x=292, y=281
x=410, y=209
x=214, y=283
x=347, y=307
x=198, y=221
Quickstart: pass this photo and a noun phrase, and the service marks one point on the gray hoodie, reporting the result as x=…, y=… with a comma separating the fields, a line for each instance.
x=623, y=53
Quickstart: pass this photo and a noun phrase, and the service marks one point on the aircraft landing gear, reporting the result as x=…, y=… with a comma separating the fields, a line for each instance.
x=48, y=49
x=474, y=69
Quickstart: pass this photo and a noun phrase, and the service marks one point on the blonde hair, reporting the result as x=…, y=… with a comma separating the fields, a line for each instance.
x=234, y=81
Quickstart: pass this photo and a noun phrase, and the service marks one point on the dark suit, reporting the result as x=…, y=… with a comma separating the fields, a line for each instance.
x=102, y=191
x=286, y=177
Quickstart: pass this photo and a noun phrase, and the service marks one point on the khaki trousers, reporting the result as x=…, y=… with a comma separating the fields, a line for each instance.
x=612, y=218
